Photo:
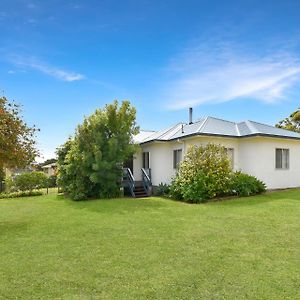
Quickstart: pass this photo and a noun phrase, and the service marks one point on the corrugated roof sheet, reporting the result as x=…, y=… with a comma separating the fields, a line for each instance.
x=142, y=135
x=215, y=126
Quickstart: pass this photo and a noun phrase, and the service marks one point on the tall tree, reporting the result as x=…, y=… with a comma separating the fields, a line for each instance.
x=292, y=122
x=90, y=165
x=17, y=139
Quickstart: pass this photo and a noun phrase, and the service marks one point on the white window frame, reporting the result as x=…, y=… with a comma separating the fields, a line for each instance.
x=284, y=164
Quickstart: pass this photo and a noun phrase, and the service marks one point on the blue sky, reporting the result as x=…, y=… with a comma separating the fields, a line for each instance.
x=230, y=59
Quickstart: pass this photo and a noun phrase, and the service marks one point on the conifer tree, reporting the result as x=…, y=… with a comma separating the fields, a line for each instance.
x=90, y=165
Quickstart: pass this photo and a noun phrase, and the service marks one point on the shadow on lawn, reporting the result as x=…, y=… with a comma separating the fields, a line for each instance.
x=125, y=205
x=119, y=205
x=12, y=228
x=271, y=196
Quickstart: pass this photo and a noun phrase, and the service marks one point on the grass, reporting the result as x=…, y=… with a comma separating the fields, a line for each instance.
x=53, y=248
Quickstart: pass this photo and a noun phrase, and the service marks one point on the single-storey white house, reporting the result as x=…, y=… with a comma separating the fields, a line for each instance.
x=50, y=169
x=269, y=153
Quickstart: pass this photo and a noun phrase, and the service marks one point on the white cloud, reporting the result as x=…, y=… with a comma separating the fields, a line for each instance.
x=46, y=154
x=222, y=72
x=33, y=63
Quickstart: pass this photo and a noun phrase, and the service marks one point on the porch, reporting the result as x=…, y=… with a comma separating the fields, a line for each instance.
x=137, y=188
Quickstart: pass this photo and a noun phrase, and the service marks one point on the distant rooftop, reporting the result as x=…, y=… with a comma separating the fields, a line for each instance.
x=215, y=127
x=49, y=166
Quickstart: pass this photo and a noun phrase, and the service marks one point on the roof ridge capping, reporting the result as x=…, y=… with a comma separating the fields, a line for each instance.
x=251, y=126
x=237, y=129
x=162, y=133
x=203, y=121
x=219, y=119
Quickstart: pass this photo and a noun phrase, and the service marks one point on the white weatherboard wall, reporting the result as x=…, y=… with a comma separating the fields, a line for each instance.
x=227, y=142
x=254, y=156
x=257, y=158
x=161, y=156
x=161, y=162
x=137, y=165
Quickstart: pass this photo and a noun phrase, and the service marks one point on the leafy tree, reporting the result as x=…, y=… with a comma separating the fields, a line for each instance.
x=2, y=175
x=63, y=178
x=17, y=139
x=292, y=122
x=90, y=165
x=204, y=174
x=51, y=181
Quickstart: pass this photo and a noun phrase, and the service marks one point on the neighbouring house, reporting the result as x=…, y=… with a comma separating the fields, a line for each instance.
x=269, y=153
x=17, y=171
x=50, y=169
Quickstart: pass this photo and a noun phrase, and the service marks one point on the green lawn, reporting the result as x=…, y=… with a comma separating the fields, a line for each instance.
x=53, y=248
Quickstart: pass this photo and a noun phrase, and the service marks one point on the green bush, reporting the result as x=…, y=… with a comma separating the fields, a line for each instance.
x=51, y=181
x=162, y=189
x=90, y=165
x=9, y=185
x=20, y=194
x=29, y=181
x=246, y=185
x=205, y=173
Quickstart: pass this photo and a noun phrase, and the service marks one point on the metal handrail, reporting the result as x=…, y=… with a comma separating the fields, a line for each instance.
x=130, y=181
x=147, y=184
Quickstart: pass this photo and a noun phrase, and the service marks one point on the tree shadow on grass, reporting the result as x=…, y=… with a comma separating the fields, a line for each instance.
x=290, y=194
x=11, y=227
x=117, y=205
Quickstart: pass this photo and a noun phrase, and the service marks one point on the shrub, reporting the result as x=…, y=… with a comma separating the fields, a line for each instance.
x=9, y=185
x=20, y=194
x=51, y=181
x=204, y=174
x=162, y=189
x=246, y=185
x=29, y=181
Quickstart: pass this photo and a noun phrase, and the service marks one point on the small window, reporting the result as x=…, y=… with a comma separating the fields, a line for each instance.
x=177, y=156
x=146, y=160
x=230, y=154
x=282, y=158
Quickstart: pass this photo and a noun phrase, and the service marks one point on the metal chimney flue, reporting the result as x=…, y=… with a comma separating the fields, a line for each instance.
x=190, y=115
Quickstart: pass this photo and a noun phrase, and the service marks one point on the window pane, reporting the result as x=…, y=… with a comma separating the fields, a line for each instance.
x=230, y=154
x=174, y=158
x=177, y=156
x=146, y=162
x=282, y=158
x=278, y=158
x=285, y=163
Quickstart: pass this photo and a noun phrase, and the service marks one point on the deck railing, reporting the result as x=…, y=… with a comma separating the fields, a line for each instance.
x=128, y=180
x=147, y=184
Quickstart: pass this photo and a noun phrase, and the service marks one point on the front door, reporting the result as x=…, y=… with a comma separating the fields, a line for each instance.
x=129, y=164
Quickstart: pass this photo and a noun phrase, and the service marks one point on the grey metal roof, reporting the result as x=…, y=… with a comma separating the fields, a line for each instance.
x=218, y=127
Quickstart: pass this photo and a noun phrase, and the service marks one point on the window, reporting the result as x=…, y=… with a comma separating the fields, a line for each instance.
x=282, y=158
x=230, y=154
x=177, y=156
x=146, y=161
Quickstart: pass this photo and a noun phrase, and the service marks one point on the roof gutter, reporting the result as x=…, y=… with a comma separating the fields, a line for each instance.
x=225, y=136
